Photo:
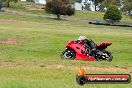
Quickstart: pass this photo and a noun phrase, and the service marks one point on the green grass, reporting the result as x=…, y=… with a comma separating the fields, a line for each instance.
x=30, y=48
x=33, y=61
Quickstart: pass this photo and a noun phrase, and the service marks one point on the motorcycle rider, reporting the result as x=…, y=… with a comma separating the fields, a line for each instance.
x=89, y=46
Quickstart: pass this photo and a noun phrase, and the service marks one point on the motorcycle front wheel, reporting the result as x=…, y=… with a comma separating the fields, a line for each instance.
x=68, y=54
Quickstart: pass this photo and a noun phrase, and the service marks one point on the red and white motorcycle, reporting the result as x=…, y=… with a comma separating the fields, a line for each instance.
x=79, y=51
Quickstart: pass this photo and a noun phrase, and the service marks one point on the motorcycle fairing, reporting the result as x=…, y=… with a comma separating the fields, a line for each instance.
x=103, y=45
x=80, y=51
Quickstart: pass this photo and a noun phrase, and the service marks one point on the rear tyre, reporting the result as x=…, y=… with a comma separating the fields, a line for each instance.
x=107, y=56
x=68, y=54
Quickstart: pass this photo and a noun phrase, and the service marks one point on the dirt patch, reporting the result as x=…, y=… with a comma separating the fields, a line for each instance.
x=10, y=63
x=56, y=66
x=45, y=23
x=12, y=41
x=34, y=7
x=20, y=21
x=72, y=19
x=9, y=41
x=92, y=69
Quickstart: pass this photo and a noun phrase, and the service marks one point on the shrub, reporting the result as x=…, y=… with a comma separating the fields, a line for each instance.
x=112, y=14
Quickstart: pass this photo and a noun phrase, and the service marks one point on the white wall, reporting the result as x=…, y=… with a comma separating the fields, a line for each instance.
x=78, y=6
x=23, y=0
x=40, y=1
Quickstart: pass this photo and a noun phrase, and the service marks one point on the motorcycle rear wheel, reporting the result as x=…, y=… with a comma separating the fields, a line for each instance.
x=68, y=54
x=107, y=56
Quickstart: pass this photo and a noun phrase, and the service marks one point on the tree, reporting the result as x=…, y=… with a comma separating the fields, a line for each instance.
x=127, y=7
x=112, y=14
x=0, y=5
x=96, y=2
x=105, y=3
x=87, y=7
x=59, y=7
x=8, y=2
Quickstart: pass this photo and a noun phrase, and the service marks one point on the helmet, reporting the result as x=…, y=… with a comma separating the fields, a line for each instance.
x=82, y=38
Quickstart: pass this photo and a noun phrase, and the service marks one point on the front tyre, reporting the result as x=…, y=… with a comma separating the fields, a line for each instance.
x=68, y=54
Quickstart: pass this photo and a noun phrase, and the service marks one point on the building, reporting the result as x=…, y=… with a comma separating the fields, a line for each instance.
x=38, y=1
x=78, y=6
